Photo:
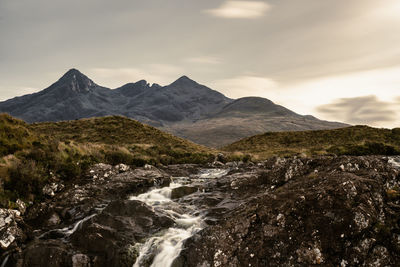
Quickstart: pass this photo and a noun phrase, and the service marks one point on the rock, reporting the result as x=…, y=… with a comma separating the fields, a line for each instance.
x=80, y=260
x=217, y=164
x=122, y=168
x=51, y=189
x=221, y=158
x=21, y=206
x=232, y=164
x=290, y=215
x=9, y=229
x=47, y=253
x=309, y=256
x=6, y=239
x=101, y=170
x=54, y=220
x=182, y=191
x=110, y=234
x=147, y=167
x=283, y=212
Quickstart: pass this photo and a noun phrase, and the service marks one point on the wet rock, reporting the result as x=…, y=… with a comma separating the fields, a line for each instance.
x=110, y=234
x=217, y=164
x=115, y=228
x=182, y=191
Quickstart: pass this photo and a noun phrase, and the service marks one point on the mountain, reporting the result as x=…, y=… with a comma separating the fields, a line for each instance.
x=184, y=108
x=246, y=117
x=182, y=100
x=73, y=96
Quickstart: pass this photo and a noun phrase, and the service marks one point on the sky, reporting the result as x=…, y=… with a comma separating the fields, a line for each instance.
x=334, y=59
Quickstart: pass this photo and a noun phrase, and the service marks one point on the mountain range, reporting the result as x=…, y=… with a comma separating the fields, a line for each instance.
x=184, y=108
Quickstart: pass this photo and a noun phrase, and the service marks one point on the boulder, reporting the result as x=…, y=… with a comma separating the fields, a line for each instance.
x=9, y=228
x=182, y=191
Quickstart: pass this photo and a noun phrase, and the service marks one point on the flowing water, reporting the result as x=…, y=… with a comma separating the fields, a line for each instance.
x=67, y=231
x=161, y=250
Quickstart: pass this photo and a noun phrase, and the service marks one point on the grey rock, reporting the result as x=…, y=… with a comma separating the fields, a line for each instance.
x=182, y=191
x=80, y=260
x=51, y=189
x=9, y=229
x=21, y=206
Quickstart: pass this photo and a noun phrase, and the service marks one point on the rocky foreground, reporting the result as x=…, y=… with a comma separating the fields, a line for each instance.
x=328, y=211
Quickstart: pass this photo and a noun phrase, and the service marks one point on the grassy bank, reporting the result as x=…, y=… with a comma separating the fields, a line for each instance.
x=33, y=155
x=356, y=140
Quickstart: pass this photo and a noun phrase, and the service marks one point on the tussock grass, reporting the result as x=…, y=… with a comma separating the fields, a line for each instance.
x=355, y=140
x=33, y=155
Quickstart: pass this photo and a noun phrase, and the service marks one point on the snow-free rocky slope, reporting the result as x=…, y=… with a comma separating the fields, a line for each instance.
x=185, y=108
x=320, y=211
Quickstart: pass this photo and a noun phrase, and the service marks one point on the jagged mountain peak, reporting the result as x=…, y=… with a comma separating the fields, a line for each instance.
x=184, y=80
x=76, y=81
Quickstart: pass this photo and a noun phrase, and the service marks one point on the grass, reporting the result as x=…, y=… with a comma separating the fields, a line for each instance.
x=32, y=155
x=355, y=140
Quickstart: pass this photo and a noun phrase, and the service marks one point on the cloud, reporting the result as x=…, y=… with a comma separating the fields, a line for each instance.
x=389, y=11
x=204, y=60
x=245, y=85
x=360, y=110
x=154, y=73
x=240, y=9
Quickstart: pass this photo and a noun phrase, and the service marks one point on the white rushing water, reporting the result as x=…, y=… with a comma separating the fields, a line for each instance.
x=167, y=245
x=395, y=161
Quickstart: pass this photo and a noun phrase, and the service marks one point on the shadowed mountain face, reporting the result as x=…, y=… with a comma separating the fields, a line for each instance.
x=184, y=107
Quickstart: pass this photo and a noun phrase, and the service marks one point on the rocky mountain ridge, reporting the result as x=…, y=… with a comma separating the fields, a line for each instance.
x=184, y=108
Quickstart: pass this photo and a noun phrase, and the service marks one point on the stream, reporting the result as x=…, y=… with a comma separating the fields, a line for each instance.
x=162, y=249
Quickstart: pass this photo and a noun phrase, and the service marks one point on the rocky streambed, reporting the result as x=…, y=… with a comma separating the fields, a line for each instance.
x=329, y=211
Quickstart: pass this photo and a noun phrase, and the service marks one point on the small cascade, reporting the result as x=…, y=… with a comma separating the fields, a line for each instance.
x=161, y=250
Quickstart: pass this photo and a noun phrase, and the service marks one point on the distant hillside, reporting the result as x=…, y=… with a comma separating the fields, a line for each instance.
x=184, y=108
x=356, y=140
x=245, y=117
x=33, y=155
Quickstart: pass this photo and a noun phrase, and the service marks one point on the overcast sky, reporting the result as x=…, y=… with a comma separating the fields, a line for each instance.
x=335, y=59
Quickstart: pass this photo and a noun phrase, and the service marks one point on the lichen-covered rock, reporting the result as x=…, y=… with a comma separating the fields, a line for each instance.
x=10, y=230
x=328, y=211
x=87, y=223
x=122, y=167
x=80, y=260
x=299, y=211
x=51, y=189
x=21, y=206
